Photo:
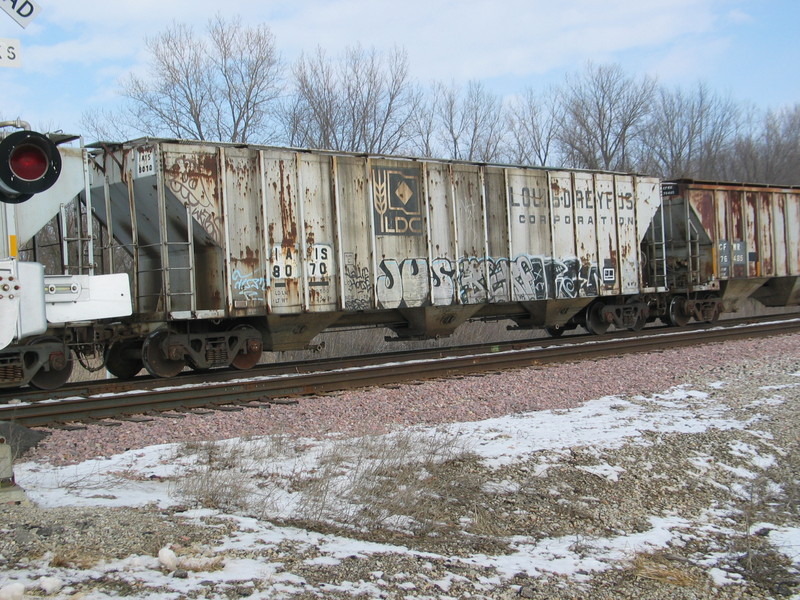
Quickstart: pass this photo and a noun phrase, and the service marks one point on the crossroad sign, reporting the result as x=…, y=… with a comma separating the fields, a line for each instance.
x=22, y=11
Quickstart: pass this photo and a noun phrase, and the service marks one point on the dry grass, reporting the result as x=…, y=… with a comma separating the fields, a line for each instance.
x=663, y=569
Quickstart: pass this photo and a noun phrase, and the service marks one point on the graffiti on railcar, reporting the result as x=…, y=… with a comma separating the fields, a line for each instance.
x=192, y=178
x=397, y=203
x=248, y=285
x=406, y=283
x=412, y=282
x=357, y=286
x=443, y=273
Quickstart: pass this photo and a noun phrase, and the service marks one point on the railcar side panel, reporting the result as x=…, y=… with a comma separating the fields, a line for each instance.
x=793, y=233
x=441, y=229
x=281, y=184
x=723, y=246
x=356, y=223
x=627, y=234
x=766, y=231
x=248, y=277
x=751, y=234
x=398, y=203
x=586, y=232
x=571, y=276
x=317, y=249
x=736, y=214
x=779, y=239
x=471, y=227
x=531, y=253
x=608, y=245
x=498, y=241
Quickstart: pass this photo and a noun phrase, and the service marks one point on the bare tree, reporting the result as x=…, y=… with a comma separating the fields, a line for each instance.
x=605, y=114
x=105, y=126
x=468, y=121
x=769, y=151
x=219, y=87
x=689, y=133
x=532, y=123
x=422, y=129
x=362, y=103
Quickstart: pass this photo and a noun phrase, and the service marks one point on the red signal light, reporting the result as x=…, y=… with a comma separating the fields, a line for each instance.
x=28, y=162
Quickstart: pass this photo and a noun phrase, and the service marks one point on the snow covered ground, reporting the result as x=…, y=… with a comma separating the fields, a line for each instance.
x=711, y=461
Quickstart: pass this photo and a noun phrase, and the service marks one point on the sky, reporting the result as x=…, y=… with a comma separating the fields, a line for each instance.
x=75, y=53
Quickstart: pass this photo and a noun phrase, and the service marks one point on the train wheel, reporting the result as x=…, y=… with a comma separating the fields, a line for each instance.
x=641, y=321
x=677, y=313
x=156, y=360
x=124, y=359
x=595, y=323
x=252, y=354
x=715, y=316
x=57, y=372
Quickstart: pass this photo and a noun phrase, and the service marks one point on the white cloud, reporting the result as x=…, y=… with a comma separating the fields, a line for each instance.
x=83, y=47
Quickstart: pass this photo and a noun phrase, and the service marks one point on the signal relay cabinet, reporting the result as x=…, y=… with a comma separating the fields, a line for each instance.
x=740, y=239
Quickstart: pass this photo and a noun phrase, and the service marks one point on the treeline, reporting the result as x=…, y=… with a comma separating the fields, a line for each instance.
x=229, y=83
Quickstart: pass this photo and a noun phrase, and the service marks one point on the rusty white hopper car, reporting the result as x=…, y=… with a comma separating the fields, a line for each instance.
x=235, y=250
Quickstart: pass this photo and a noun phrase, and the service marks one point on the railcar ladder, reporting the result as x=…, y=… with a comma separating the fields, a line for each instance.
x=694, y=252
x=656, y=251
x=76, y=232
x=166, y=269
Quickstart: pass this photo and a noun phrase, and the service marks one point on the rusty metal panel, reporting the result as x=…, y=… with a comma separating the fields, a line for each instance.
x=723, y=240
x=647, y=193
x=627, y=233
x=398, y=203
x=605, y=222
x=356, y=223
x=585, y=231
x=751, y=233
x=191, y=174
x=737, y=229
x=530, y=221
x=766, y=234
x=471, y=230
x=779, y=235
x=498, y=243
x=442, y=234
x=280, y=197
x=317, y=240
x=245, y=222
x=793, y=233
x=571, y=277
x=702, y=201
x=702, y=223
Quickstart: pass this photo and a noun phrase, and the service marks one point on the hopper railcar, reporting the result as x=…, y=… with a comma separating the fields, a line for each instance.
x=226, y=251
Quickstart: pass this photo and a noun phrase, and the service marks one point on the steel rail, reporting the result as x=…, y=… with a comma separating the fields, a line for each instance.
x=171, y=395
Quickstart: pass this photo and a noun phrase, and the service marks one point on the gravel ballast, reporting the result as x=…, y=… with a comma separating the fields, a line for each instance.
x=572, y=498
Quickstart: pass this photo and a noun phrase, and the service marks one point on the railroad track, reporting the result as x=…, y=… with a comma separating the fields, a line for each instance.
x=278, y=383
